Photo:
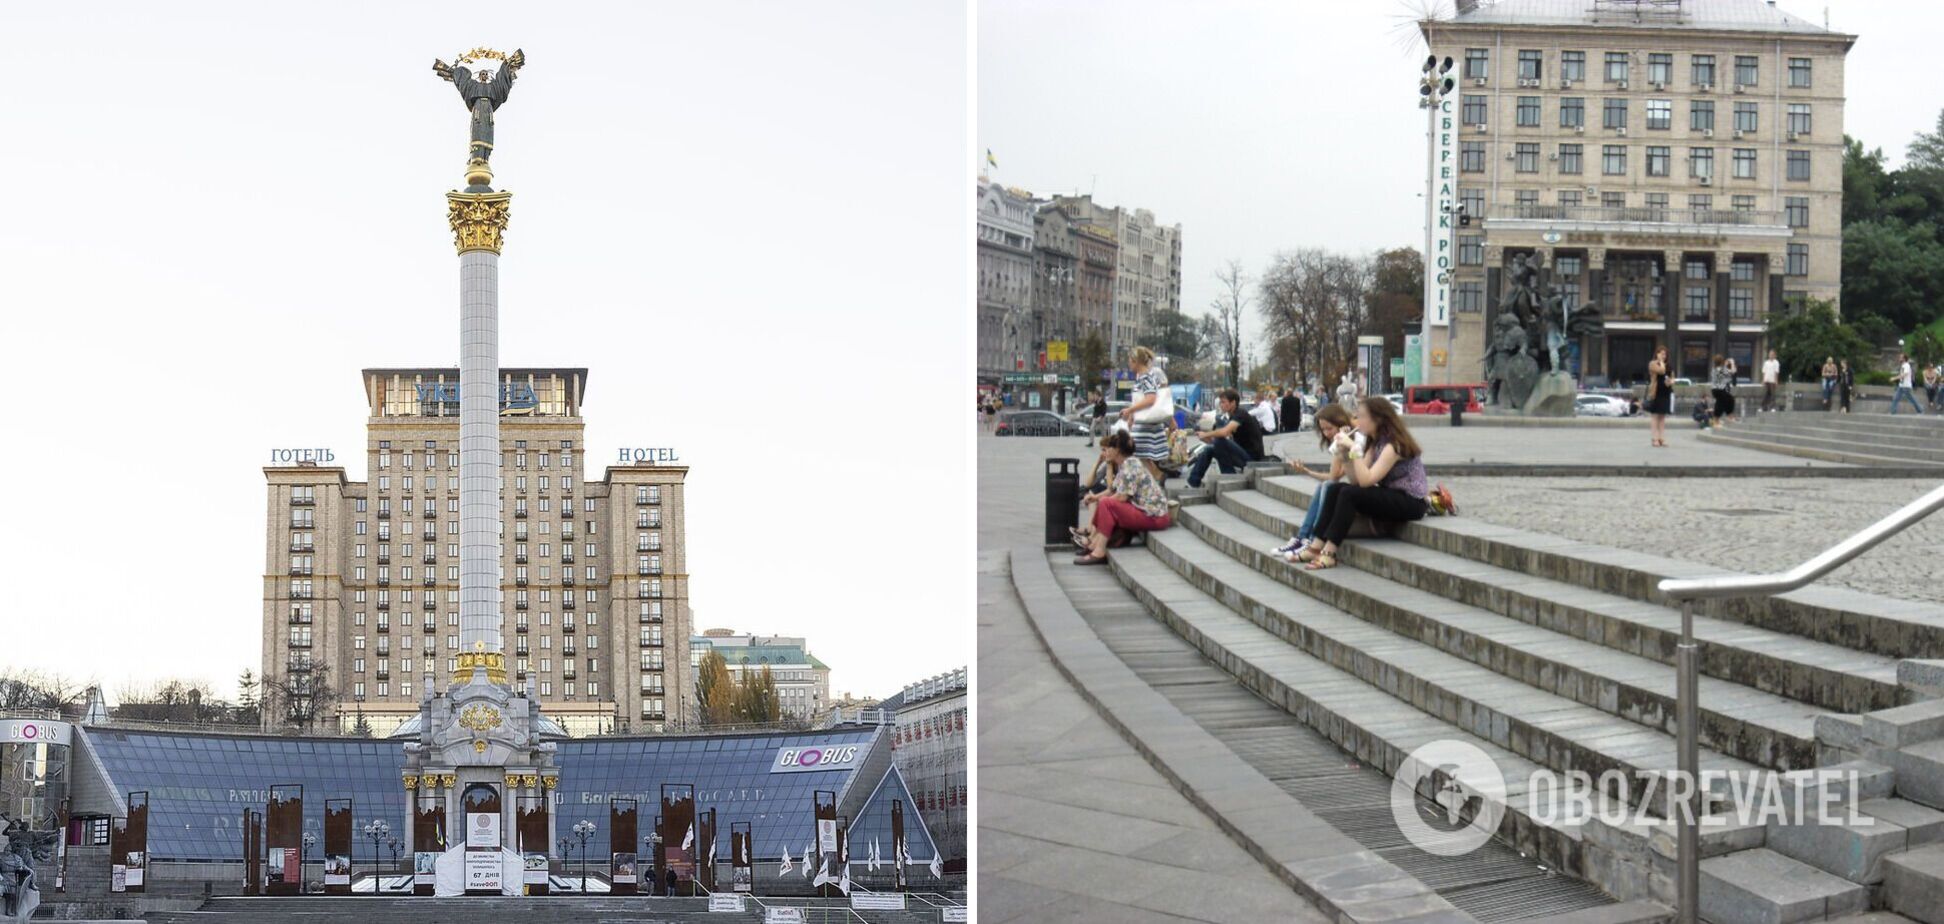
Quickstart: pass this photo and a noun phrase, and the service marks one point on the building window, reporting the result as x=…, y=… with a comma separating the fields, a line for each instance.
x=1572, y=65
x=1746, y=118
x=1660, y=68
x=1472, y=200
x=1472, y=112
x=1471, y=157
x=1614, y=113
x=1700, y=162
x=1798, y=165
x=1657, y=203
x=1697, y=302
x=1471, y=252
x=1743, y=203
x=1616, y=66
x=1613, y=200
x=1701, y=116
x=1742, y=271
x=1695, y=269
x=1531, y=61
x=1528, y=111
x=1797, y=211
x=1703, y=71
x=1572, y=111
x=1613, y=159
x=1741, y=304
x=1570, y=158
x=1799, y=72
x=1569, y=197
x=1747, y=68
x=1799, y=118
x=1659, y=160
x=1478, y=61
x=1527, y=157
x=1744, y=163
x=1660, y=114
x=1798, y=260
x=1469, y=297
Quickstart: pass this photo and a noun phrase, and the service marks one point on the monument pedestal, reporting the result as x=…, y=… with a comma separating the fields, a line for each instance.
x=1553, y=396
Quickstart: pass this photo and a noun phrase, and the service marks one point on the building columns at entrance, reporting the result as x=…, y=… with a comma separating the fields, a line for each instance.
x=1724, y=262
x=1671, y=307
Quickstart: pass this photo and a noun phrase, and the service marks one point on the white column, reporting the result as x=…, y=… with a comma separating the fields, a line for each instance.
x=479, y=452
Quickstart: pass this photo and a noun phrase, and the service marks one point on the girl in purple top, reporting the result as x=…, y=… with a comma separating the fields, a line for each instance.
x=1386, y=482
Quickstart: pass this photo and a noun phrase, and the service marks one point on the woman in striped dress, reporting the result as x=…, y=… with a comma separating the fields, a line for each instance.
x=1150, y=439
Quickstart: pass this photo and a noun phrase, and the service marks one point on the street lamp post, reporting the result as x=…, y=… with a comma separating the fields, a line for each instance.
x=583, y=829
x=1435, y=85
x=394, y=845
x=303, y=859
x=377, y=830
x=563, y=858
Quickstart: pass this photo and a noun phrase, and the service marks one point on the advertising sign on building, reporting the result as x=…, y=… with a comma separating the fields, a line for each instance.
x=482, y=829
x=1443, y=204
x=799, y=760
x=34, y=731
x=482, y=870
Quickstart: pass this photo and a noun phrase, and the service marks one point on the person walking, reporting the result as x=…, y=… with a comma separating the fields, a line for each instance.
x=1903, y=386
x=1291, y=418
x=1151, y=413
x=1771, y=378
x=1845, y=383
x=1660, y=397
x=1829, y=380
x=1099, y=418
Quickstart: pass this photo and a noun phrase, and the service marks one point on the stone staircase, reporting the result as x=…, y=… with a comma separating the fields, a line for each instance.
x=1875, y=439
x=534, y=910
x=1549, y=654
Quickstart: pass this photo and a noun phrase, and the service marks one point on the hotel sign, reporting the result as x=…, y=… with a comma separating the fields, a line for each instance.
x=287, y=456
x=514, y=397
x=649, y=454
x=798, y=760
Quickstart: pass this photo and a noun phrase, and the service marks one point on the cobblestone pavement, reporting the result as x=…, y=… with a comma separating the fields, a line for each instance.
x=1753, y=525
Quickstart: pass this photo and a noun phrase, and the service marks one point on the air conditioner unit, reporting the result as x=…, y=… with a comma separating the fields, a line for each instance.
x=1707, y=181
x=1622, y=85
x=1579, y=129
x=1553, y=157
x=1740, y=88
x=1621, y=131
x=1707, y=133
x=1707, y=88
x=1510, y=154
x=1738, y=133
x=1659, y=86
x=1480, y=127
x=1794, y=136
x=1478, y=81
x=1592, y=190
x=1565, y=84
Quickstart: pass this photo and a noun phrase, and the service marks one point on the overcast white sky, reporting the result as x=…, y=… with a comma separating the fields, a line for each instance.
x=1265, y=125
x=749, y=220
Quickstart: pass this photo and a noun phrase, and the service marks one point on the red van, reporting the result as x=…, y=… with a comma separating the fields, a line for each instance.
x=1438, y=399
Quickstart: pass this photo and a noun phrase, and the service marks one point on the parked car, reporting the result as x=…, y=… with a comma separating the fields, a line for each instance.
x=1419, y=399
x=1604, y=406
x=1037, y=423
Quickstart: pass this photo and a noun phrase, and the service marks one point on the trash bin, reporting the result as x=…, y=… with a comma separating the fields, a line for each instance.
x=1458, y=414
x=1062, y=499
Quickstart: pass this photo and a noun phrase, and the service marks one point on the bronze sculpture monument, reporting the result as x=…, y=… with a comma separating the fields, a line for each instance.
x=484, y=91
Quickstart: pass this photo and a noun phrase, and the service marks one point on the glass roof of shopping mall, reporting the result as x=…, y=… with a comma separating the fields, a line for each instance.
x=199, y=784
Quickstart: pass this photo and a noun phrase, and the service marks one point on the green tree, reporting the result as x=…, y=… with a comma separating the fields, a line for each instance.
x=1090, y=357
x=1802, y=341
x=715, y=690
x=362, y=727
x=1893, y=270
x=757, y=701
x=1178, y=337
x=1925, y=347
x=1865, y=182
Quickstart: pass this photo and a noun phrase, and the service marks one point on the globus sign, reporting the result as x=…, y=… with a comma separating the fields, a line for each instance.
x=798, y=760
x=30, y=731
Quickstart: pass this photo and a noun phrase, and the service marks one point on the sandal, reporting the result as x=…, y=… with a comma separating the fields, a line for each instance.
x=1304, y=554
x=1321, y=562
x=1089, y=560
x=1082, y=539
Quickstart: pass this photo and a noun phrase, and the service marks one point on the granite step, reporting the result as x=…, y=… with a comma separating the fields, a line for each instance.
x=1823, y=675
x=1783, y=445
x=1913, y=884
x=1909, y=451
x=1761, y=728
x=1862, y=434
x=1761, y=886
x=1627, y=854
x=1902, y=424
x=1836, y=615
x=1546, y=728
x=1920, y=771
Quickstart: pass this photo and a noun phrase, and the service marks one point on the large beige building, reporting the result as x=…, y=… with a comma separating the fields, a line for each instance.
x=1147, y=267
x=361, y=582
x=1679, y=162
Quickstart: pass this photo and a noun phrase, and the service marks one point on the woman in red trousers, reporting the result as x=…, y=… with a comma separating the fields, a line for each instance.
x=1134, y=503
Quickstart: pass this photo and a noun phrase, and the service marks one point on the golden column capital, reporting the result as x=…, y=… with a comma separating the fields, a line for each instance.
x=550, y=781
x=478, y=219
x=411, y=782
x=512, y=781
x=493, y=661
x=529, y=781
x=449, y=780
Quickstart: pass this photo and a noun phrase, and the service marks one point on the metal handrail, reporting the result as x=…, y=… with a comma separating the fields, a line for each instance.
x=1739, y=585
x=1687, y=665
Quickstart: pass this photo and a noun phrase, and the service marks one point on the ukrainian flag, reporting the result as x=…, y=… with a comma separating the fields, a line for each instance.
x=991, y=159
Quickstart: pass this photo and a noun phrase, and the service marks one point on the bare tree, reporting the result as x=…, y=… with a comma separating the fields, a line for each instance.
x=34, y=691
x=185, y=701
x=300, y=697
x=1225, y=323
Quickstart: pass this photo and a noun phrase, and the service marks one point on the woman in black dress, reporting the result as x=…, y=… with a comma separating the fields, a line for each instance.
x=1845, y=383
x=1660, y=396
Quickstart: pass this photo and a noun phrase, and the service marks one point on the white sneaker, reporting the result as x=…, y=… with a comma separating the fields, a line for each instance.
x=1288, y=547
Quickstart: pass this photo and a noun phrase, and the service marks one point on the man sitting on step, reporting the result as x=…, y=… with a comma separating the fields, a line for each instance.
x=1235, y=442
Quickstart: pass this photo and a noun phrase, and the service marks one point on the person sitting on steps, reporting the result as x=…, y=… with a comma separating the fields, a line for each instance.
x=1331, y=419
x=1235, y=442
x=1135, y=503
x=1387, y=482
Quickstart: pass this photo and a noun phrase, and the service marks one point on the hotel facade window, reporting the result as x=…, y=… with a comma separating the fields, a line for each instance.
x=1531, y=63
x=1800, y=72
x=1613, y=159
x=1528, y=111
x=1572, y=111
x=1572, y=66
x=1571, y=158
x=1799, y=165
